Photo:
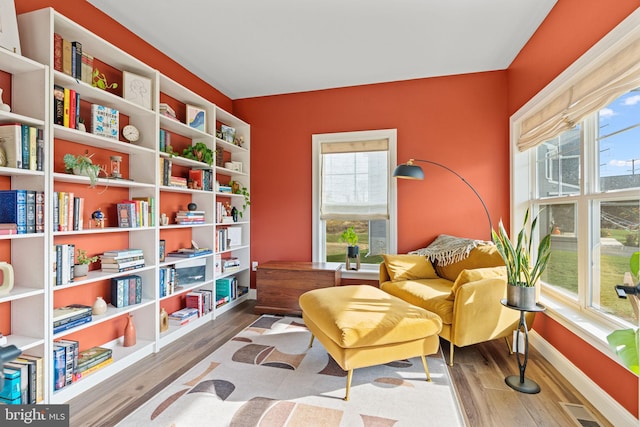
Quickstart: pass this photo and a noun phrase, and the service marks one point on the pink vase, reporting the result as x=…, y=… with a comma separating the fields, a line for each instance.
x=129, y=332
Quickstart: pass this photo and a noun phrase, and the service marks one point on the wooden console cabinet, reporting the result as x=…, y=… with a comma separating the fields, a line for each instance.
x=279, y=284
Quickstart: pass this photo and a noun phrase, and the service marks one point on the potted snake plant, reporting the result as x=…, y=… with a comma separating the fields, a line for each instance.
x=522, y=272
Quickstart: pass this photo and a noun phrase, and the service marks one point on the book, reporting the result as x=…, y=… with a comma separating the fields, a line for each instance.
x=57, y=52
x=123, y=252
x=88, y=356
x=71, y=355
x=77, y=59
x=13, y=208
x=73, y=324
x=26, y=146
x=59, y=367
x=58, y=105
x=11, y=391
x=64, y=321
x=11, y=133
x=68, y=360
x=40, y=211
x=72, y=108
x=33, y=148
x=121, y=265
x=25, y=396
x=179, y=254
x=97, y=367
x=97, y=360
x=66, y=56
x=67, y=105
x=40, y=149
x=104, y=121
x=39, y=374
x=69, y=311
x=118, y=260
x=126, y=215
x=31, y=211
x=8, y=228
x=87, y=68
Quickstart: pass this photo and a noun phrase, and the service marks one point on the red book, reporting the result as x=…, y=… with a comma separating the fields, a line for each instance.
x=57, y=52
x=72, y=108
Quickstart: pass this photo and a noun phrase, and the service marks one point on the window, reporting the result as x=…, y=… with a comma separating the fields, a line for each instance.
x=577, y=164
x=353, y=188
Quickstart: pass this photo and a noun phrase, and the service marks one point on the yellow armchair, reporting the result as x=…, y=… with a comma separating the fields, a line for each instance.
x=465, y=294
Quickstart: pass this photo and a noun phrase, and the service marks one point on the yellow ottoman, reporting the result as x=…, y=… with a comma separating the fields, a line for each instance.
x=361, y=325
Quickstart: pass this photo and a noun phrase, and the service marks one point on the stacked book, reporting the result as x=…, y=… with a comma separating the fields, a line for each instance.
x=122, y=260
x=126, y=290
x=190, y=217
x=230, y=264
x=93, y=359
x=70, y=316
x=167, y=111
x=183, y=316
x=190, y=252
x=178, y=181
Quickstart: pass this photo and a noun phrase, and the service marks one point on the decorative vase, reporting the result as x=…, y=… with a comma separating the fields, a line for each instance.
x=80, y=270
x=164, y=320
x=234, y=214
x=521, y=296
x=192, y=206
x=99, y=307
x=129, y=333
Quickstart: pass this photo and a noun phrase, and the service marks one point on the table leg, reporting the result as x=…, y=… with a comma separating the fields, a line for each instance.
x=520, y=383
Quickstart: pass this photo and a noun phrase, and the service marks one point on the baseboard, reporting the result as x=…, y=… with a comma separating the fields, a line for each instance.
x=615, y=413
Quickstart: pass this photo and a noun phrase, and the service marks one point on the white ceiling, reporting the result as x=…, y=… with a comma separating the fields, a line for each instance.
x=248, y=48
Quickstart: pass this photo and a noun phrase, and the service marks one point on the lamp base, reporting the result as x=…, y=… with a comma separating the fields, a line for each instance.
x=527, y=386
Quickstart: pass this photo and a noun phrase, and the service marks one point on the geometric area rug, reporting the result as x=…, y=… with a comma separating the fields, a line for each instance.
x=268, y=376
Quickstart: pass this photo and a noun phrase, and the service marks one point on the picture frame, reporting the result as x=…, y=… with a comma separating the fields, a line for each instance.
x=196, y=118
x=228, y=133
x=9, y=36
x=136, y=89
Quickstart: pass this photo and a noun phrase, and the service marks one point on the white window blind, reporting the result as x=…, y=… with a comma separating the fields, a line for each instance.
x=590, y=93
x=354, y=177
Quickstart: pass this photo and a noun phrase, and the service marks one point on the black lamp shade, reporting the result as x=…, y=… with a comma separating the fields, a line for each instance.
x=408, y=172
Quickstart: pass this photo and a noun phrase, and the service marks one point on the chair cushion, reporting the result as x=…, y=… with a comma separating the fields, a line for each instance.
x=430, y=294
x=476, y=274
x=409, y=267
x=479, y=257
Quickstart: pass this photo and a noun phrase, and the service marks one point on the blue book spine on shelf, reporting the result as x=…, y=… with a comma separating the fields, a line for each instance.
x=59, y=368
x=73, y=324
x=26, y=145
x=13, y=208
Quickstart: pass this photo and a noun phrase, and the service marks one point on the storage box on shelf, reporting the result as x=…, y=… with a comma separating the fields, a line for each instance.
x=23, y=307
x=132, y=165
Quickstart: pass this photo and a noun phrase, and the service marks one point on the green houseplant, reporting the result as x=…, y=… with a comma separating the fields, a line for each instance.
x=237, y=188
x=351, y=238
x=522, y=273
x=82, y=165
x=83, y=262
x=199, y=152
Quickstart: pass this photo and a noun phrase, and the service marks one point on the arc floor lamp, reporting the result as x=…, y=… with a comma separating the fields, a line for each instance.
x=411, y=171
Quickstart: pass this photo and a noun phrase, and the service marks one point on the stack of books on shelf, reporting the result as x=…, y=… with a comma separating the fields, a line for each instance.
x=65, y=362
x=23, y=145
x=230, y=264
x=190, y=217
x=178, y=181
x=126, y=290
x=71, y=59
x=117, y=261
x=201, y=179
x=190, y=252
x=68, y=211
x=24, y=208
x=93, y=359
x=226, y=290
x=70, y=316
x=167, y=111
x=201, y=299
x=63, y=263
x=24, y=380
x=137, y=212
x=183, y=316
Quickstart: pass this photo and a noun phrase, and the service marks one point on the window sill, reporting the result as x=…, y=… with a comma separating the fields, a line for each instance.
x=592, y=330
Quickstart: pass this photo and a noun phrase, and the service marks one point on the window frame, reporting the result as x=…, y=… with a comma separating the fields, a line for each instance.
x=318, y=233
x=576, y=316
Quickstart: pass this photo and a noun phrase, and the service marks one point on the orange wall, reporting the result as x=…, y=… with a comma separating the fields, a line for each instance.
x=460, y=121
x=572, y=27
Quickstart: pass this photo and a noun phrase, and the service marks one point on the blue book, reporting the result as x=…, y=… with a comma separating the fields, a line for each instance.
x=13, y=208
x=26, y=143
x=118, y=291
x=72, y=325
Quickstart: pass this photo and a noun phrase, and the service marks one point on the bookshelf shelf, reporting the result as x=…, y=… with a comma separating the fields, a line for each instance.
x=30, y=304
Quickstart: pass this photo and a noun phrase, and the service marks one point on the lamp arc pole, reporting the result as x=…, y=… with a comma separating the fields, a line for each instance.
x=411, y=171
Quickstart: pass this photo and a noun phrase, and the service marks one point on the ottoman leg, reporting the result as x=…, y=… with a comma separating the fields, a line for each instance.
x=349, y=376
x=426, y=368
x=311, y=342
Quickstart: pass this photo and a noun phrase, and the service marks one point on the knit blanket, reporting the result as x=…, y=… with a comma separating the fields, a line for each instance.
x=445, y=249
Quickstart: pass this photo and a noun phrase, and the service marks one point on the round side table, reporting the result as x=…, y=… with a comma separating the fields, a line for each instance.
x=519, y=382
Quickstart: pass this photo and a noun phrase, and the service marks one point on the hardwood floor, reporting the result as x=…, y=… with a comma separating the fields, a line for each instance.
x=478, y=374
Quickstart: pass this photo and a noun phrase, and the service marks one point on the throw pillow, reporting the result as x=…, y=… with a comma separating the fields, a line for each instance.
x=481, y=256
x=473, y=275
x=409, y=267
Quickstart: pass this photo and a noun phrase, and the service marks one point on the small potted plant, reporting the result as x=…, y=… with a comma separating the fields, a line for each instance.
x=237, y=188
x=199, y=152
x=82, y=165
x=349, y=235
x=522, y=274
x=81, y=269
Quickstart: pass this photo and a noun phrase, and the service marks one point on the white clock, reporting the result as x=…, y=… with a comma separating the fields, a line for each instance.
x=131, y=133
